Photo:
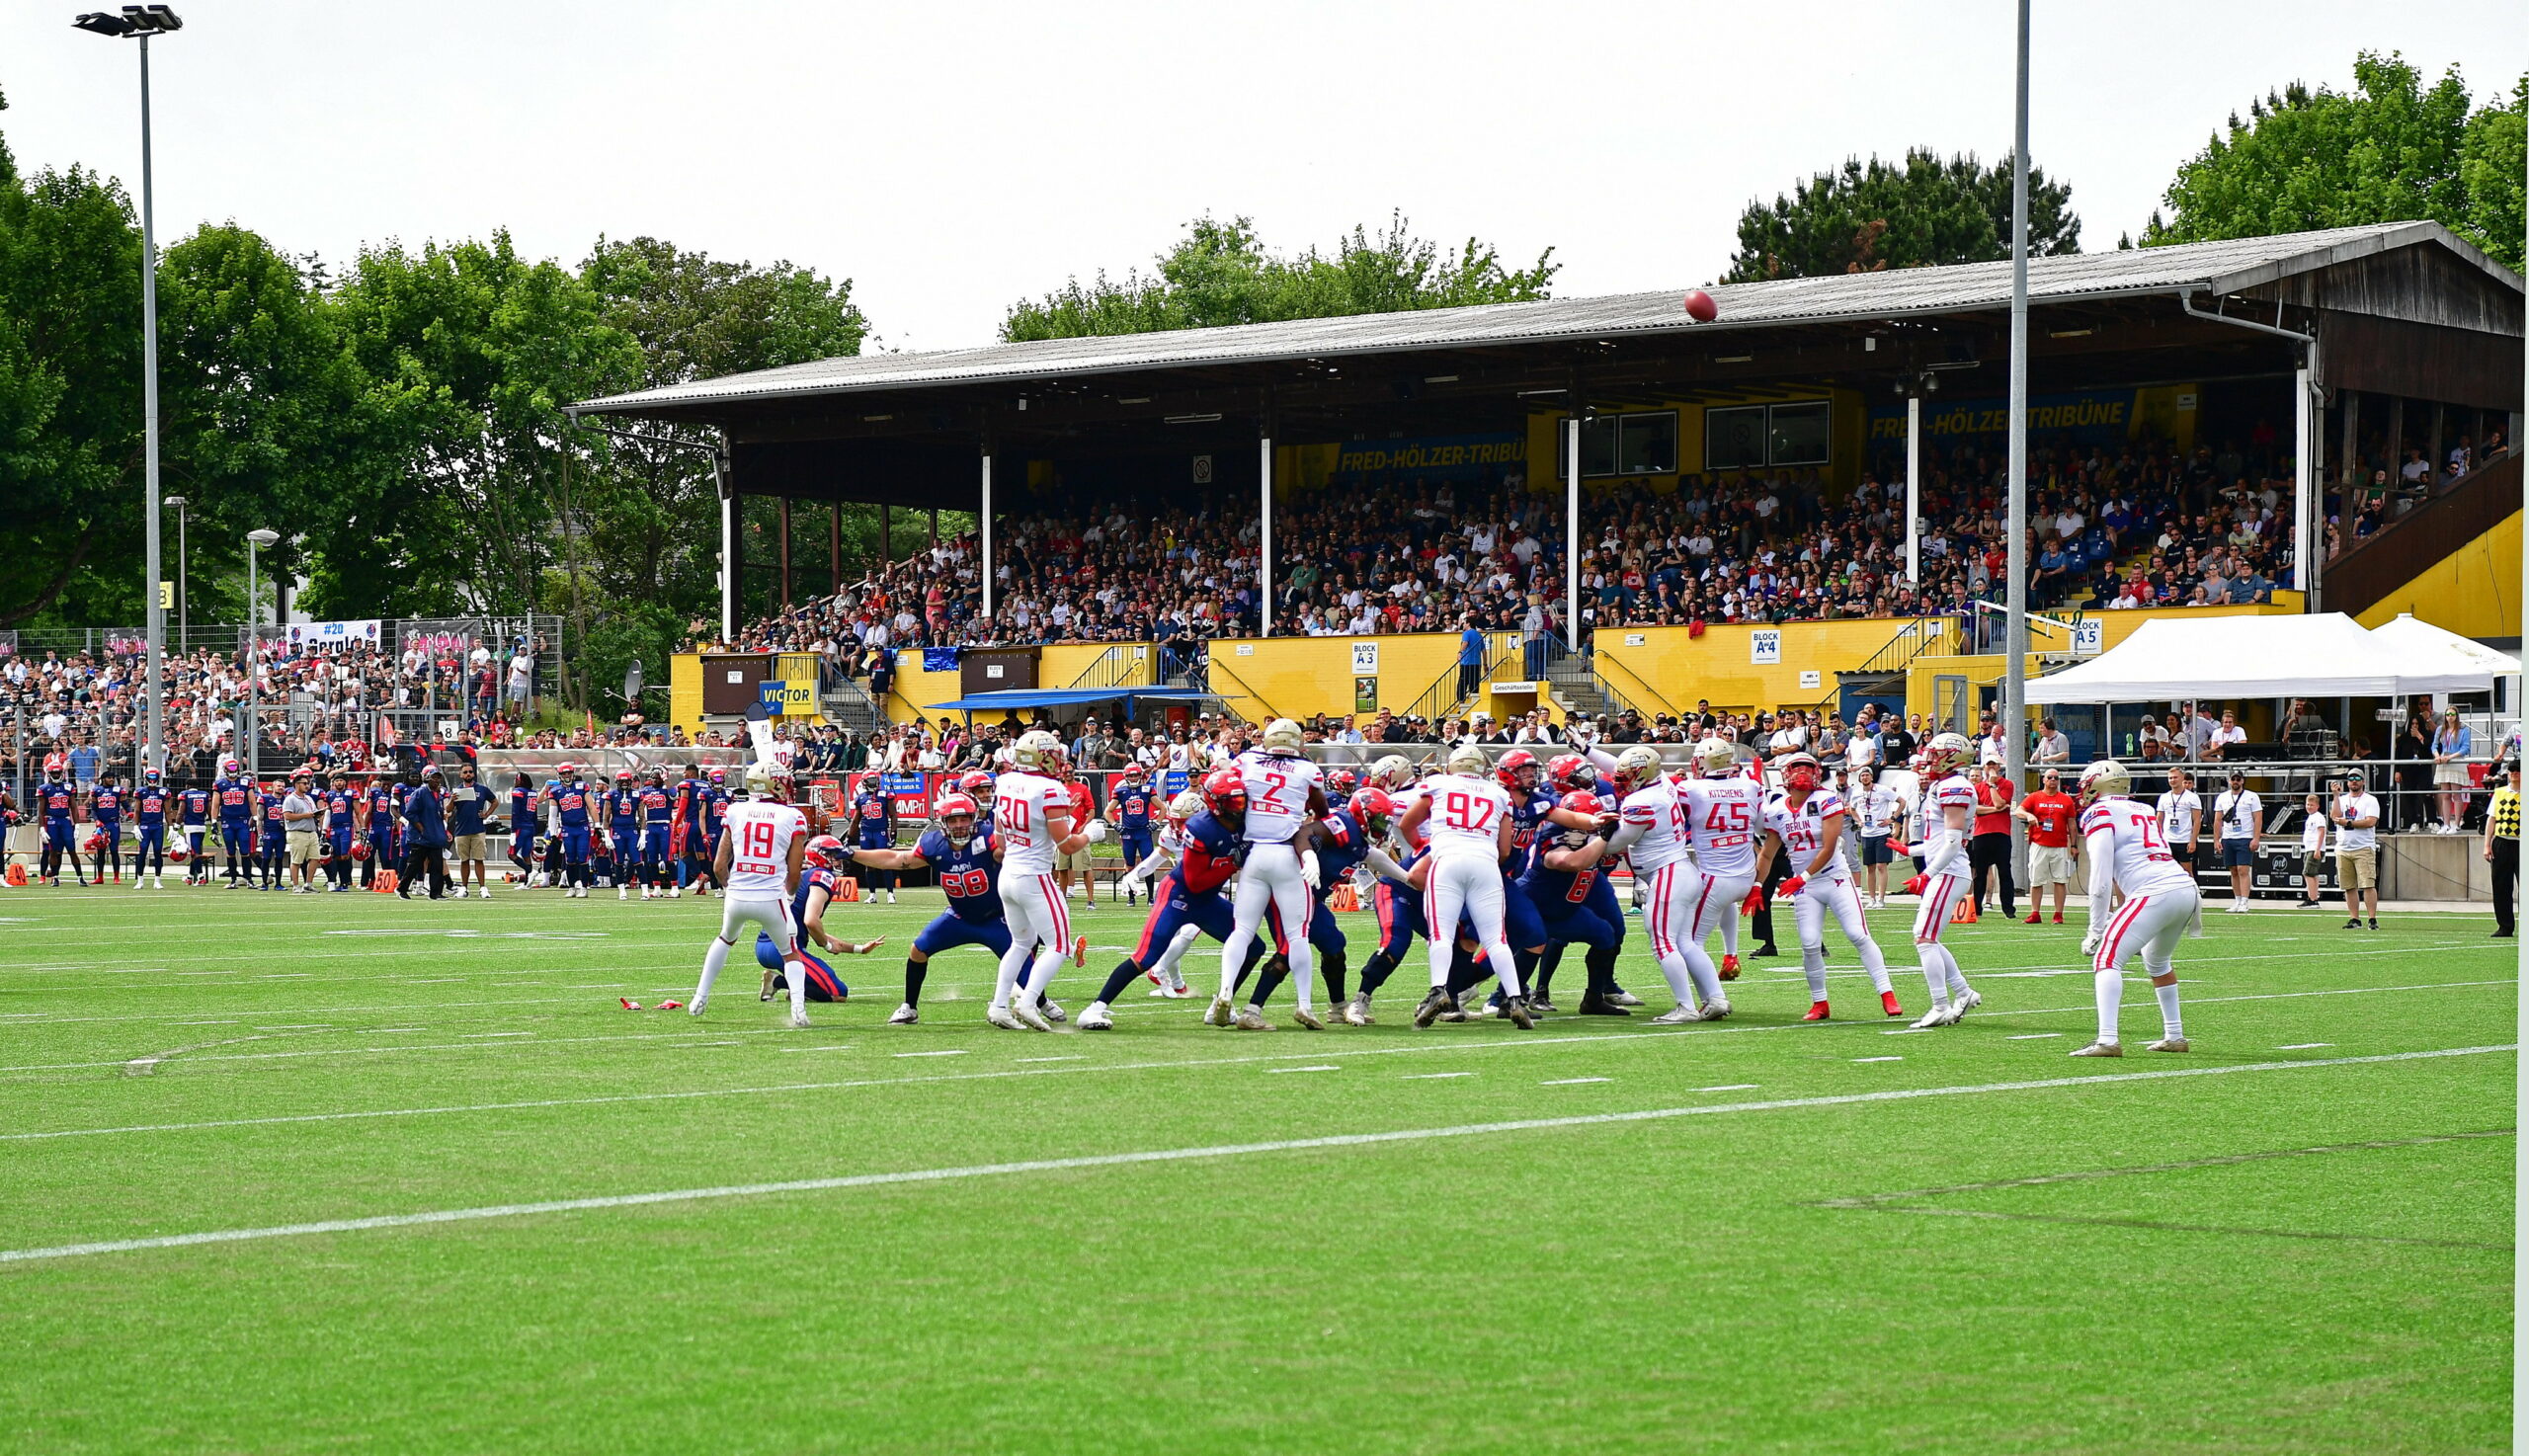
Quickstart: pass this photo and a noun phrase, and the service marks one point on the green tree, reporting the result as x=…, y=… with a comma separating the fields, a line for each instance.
x=1221, y=273
x=70, y=417
x=1925, y=211
x=2391, y=150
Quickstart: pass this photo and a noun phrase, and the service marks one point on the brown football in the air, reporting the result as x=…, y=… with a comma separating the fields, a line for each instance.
x=1701, y=307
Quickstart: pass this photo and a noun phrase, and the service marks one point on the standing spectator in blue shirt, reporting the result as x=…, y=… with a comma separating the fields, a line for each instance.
x=1470, y=659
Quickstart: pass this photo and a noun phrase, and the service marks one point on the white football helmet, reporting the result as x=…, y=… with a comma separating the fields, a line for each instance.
x=1948, y=752
x=1186, y=805
x=1037, y=751
x=1391, y=772
x=1282, y=737
x=2105, y=779
x=1638, y=766
x=1469, y=760
x=769, y=781
x=1718, y=758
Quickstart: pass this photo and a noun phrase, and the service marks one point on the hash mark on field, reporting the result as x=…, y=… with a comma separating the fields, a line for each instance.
x=1879, y=1059
x=447, y=981
x=2304, y=1046
x=2032, y=1036
x=1730, y=1086
x=1269, y=1070
x=954, y=1052
x=786, y=1048
x=1024, y=1059
x=1570, y=1080
x=290, y=975
x=202, y=1023
x=476, y=1034
x=1432, y=1076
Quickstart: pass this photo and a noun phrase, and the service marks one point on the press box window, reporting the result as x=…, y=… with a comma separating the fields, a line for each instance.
x=1733, y=438
x=1748, y=436
x=1798, y=433
x=1630, y=444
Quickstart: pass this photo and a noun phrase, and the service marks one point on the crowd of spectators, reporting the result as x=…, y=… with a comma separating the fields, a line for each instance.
x=2138, y=524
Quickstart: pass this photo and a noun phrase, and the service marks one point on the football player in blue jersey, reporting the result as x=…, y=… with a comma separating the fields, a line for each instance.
x=522, y=829
x=622, y=833
x=824, y=855
x=105, y=811
x=1347, y=839
x=1560, y=875
x=658, y=826
x=959, y=851
x=568, y=793
x=1128, y=810
x=1189, y=899
x=149, y=814
x=194, y=809
x=873, y=827
x=54, y=800
x=341, y=817
x=383, y=835
x=235, y=794
x=272, y=846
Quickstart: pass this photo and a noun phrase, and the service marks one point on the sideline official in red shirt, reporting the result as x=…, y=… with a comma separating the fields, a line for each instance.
x=2050, y=814
x=1990, y=846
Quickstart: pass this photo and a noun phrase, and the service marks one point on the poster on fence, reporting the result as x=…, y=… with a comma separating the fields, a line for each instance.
x=331, y=636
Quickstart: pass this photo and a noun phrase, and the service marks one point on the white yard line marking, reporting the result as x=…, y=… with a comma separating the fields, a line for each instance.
x=1173, y=1155
x=1022, y=1061
x=1320, y=1067
x=1437, y=1045
x=1879, y=1059
x=2302, y=1046
x=956, y=1052
x=202, y=1023
x=1432, y=1076
x=1730, y=1086
x=488, y=1034
x=2032, y=1036
x=1573, y=1080
x=788, y=1048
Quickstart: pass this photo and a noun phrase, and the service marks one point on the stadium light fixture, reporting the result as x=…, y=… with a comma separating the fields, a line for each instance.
x=141, y=21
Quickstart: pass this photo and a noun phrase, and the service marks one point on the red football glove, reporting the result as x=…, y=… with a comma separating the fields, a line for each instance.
x=1914, y=886
x=1754, y=902
x=1791, y=885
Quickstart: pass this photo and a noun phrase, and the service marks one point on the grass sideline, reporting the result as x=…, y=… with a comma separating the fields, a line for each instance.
x=1595, y=1236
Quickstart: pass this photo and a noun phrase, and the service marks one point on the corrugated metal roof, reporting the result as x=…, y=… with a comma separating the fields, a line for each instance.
x=2216, y=267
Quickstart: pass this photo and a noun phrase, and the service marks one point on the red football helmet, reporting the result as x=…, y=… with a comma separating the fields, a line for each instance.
x=179, y=854
x=1340, y=785
x=825, y=852
x=1573, y=770
x=1800, y=773
x=1373, y=808
x=1512, y=764
x=1225, y=792
x=976, y=785
x=955, y=806
x=360, y=849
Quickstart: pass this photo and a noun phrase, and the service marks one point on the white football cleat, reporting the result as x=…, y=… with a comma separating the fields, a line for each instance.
x=675, y=892
x=800, y=1017
x=483, y=892
x=1052, y=1008
x=1220, y=1013
x=906, y=1016
x=1356, y=1012
x=1716, y=1010
x=1676, y=1018
x=1250, y=1019
x=694, y=1007
x=1094, y=1018
x=2100, y=1049
x=1963, y=1003
x=999, y=1015
x=622, y=893
x=460, y=892
x=1028, y=1016
x=1303, y=1016
x=2169, y=1044
x=1939, y=1016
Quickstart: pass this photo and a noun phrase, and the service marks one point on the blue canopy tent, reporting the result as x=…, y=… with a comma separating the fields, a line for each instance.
x=1016, y=698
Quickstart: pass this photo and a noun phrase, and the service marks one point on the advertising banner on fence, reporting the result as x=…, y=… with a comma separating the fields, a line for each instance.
x=326, y=636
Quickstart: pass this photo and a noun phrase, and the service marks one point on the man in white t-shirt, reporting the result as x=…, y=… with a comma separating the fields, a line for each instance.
x=2239, y=820
x=762, y=843
x=2357, y=851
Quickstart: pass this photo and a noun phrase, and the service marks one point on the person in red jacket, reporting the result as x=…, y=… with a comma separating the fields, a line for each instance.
x=1988, y=849
x=2050, y=814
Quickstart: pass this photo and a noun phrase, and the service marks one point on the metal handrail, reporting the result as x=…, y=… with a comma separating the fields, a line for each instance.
x=1119, y=667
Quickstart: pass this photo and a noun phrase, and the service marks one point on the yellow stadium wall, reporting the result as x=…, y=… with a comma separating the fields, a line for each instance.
x=2474, y=591
x=1665, y=670
x=684, y=691
x=1298, y=677
x=916, y=689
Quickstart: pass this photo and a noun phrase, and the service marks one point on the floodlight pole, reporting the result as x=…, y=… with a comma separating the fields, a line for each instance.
x=2015, y=635
x=1572, y=532
x=153, y=753
x=983, y=521
x=1264, y=521
x=2521, y=1086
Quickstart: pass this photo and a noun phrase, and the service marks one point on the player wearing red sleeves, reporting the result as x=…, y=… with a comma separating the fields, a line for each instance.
x=2162, y=903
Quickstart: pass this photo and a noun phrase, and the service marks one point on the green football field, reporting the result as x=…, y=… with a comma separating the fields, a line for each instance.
x=445, y=1195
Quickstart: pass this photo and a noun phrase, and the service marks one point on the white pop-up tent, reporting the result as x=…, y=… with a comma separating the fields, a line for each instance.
x=2422, y=647
x=2324, y=655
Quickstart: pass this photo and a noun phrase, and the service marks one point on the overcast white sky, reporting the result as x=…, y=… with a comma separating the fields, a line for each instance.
x=950, y=158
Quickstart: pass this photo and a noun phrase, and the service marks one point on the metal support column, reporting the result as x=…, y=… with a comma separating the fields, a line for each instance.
x=1914, y=489
x=2307, y=516
x=1265, y=520
x=983, y=523
x=153, y=752
x=2348, y=455
x=833, y=547
x=730, y=562
x=786, y=553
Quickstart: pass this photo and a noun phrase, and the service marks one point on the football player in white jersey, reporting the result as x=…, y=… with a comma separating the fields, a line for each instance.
x=1806, y=822
x=2129, y=851
x=1285, y=802
x=1032, y=829
x=1167, y=847
x=1466, y=816
x=1948, y=807
x=762, y=843
x=1655, y=828
x=1726, y=811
